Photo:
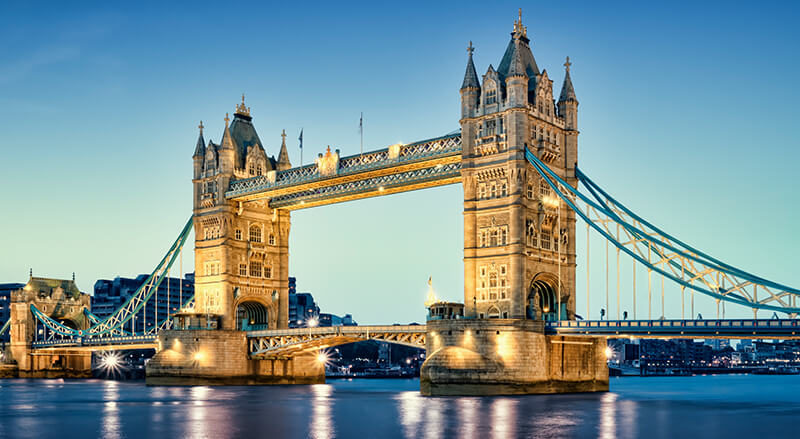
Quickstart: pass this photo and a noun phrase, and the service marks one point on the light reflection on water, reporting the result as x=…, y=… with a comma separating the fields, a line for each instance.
x=321, y=422
x=723, y=406
x=111, y=421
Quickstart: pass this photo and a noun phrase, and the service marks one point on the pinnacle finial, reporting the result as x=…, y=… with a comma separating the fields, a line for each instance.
x=242, y=108
x=31, y=272
x=201, y=127
x=283, y=136
x=519, y=29
x=567, y=64
x=470, y=49
x=227, y=119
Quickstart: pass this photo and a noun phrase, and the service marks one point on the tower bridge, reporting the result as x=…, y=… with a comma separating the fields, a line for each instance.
x=516, y=158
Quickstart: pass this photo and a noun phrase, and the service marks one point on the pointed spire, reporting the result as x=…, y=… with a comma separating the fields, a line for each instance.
x=200, y=150
x=283, y=155
x=517, y=65
x=470, y=76
x=567, y=90
x=227, y=139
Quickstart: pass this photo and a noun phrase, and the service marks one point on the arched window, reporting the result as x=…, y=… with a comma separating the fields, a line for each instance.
x=481, y=191
x=258, y=169
x=504, y=189
x=271, y=239
x=255, y=269
x=493, y=238
x=493, y=313
x=255, y=233
x=530, y=191
x=493, y=190
x=531, y=234
x=503, y=236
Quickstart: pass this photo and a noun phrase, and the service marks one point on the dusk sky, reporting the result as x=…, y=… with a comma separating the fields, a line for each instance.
x=688, y=112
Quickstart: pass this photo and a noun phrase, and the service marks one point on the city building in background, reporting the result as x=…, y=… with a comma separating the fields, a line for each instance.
x=302, y=309
x=110, y=295
x=327, y=319
x=5, y=307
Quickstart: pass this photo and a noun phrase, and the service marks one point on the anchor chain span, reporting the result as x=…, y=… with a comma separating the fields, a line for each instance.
x=115, y=322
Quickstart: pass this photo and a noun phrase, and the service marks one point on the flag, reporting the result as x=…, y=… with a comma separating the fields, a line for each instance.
x=361, y=124
x=301, y=138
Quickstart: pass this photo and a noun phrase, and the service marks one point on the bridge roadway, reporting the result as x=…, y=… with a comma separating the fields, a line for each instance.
x=712, y=328
x=286, y=342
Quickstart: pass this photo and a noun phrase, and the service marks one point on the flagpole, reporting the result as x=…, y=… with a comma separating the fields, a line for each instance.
x=361, y=130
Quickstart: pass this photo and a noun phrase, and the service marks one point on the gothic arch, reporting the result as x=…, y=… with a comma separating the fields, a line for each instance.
x=493, y=312
x=253, y=313
x=542, y=300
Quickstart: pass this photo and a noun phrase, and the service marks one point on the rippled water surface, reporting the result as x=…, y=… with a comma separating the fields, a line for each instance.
x=653, y=407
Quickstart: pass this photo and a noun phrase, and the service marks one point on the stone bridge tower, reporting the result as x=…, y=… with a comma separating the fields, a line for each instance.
x=61, y=300
x=241, y=249
x=519, y=241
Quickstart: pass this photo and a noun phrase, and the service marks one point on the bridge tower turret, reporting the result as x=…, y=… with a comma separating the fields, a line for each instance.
x=241, y=248
x=519, y=256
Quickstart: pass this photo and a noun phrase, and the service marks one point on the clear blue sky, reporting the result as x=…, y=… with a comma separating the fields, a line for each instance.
x=687, y=113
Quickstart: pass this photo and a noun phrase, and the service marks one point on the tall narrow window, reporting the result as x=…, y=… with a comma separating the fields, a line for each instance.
x=242, y=269
x=493, y=190
x=503, y=236
x=271, y=239
x=255, y=233
x=530, y=191
x=238, y=234
x=544, y=241
x=493, y=238
x=268, y=272
x=504, y=189
x=482, y=191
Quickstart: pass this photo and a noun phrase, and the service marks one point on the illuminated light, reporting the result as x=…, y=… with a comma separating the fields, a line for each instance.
x=546, y=309
x=439, y=166
x=323, y=358
x=609, y=353
x=312, y=322
x=408, y=361
x=176, y=345
x=198, y=356
x=110, y=363
x=381, y=188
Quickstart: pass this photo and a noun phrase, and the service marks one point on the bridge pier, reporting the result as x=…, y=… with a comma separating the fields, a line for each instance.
x=508, y=357
x=221, y=357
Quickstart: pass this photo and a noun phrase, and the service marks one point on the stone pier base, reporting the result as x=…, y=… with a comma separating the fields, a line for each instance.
x=61, y=363
x=197, y=357
x=508, y=357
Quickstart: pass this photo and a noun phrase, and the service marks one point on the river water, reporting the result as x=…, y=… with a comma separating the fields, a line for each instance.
x=653, y=407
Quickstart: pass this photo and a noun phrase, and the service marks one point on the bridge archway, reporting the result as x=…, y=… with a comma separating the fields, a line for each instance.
x=543, y=298
x=252, y=315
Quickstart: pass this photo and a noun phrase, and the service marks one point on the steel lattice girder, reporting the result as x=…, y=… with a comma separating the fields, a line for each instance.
x=288, y=342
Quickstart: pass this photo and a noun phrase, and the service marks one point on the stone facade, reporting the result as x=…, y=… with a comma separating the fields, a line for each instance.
x=241, y=248
x=60, y=300
x=519, y=242
x=221, y=358
x=509, y=356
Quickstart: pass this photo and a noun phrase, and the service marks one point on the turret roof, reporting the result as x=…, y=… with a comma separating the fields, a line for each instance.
x=470, y=76
x=567, y=90
x=200, y=149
